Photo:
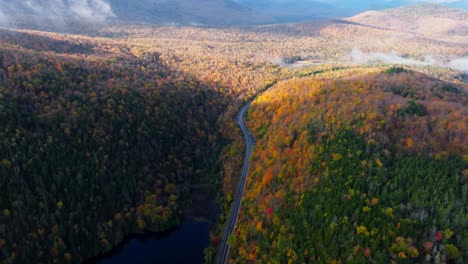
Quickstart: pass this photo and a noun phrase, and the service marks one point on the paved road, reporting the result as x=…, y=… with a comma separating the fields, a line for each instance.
x=223, y=251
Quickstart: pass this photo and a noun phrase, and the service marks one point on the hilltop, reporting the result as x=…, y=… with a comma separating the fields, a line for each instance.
x=430, y=20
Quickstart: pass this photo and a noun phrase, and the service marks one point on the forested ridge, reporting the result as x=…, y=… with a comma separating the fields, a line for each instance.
x=356, y=167
x=103, y=135
x=93, y=149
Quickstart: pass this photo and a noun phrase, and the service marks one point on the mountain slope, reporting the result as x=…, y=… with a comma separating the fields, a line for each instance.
x=50, y=13
x=425, y=19
x=294, y=11
x=363, y=167
x=206, y=12
x=421, y=34
x=94, y=145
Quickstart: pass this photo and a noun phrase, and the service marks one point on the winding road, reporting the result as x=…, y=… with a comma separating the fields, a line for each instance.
x=223, y=251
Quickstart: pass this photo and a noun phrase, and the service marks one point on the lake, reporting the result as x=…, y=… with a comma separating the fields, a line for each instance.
x=183, y=245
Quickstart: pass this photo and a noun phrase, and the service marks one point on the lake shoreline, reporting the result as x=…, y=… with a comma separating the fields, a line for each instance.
x=197, y=219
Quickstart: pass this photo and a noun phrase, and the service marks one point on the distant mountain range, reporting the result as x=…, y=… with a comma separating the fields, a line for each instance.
x=179, y=12
x=185, y=12
x=200, y=12
x=294, y=11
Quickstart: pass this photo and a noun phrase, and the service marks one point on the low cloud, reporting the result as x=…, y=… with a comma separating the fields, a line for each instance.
x=359, y=57
x=88, y=10
x=92, y=9
x=460, y=64
x=3, y=18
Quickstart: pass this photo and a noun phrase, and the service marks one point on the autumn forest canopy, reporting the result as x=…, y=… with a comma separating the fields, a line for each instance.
x=353, y=170
x=113, y=128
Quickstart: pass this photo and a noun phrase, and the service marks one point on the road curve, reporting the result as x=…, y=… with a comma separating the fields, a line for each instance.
x=223, y=250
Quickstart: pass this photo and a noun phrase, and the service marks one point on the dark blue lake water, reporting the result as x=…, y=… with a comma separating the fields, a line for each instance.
x=183, y=245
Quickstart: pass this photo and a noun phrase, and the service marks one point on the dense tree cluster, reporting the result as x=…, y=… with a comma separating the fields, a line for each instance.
x=348, y=170
x=94, y=149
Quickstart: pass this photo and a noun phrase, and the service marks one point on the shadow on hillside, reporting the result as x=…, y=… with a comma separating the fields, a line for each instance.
x=305, y=29
x=115, y=108
x=43, y=43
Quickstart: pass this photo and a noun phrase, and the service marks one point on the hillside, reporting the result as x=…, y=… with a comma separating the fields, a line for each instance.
x=294, y=11
x=433, y=21
x=95, y=145
x=391, y=36
x=65, y=16
x=204, y=12
x=356, y=166
x=299, y=11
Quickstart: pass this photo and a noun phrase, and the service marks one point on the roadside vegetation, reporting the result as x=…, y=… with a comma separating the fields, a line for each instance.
x=345, y=170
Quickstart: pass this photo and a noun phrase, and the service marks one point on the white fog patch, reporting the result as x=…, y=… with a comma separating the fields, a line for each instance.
x=359, y=57
x=278, y=61
x=89, y=10
x=92, y=9
x=3, y=18
x=460, y=64
x=34, y=7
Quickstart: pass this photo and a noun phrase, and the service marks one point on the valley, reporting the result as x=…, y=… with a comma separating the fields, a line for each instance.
x=116, y=131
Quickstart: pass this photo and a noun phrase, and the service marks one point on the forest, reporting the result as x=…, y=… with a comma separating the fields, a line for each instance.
x=358, y=166
x=96, y=149
x=105, y=128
